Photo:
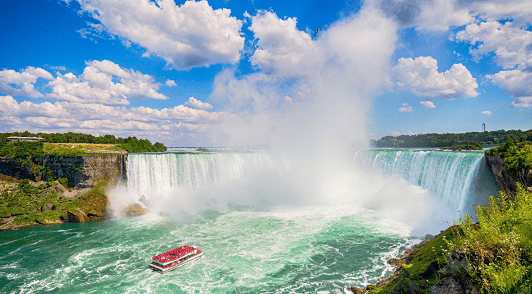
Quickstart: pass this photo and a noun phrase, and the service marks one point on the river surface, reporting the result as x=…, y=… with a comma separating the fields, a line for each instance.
x=318, y=247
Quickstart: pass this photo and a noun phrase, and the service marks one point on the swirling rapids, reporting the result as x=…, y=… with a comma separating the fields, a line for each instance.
x=315, y=249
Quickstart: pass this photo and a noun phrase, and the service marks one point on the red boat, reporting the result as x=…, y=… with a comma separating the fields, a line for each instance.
x=175, y=258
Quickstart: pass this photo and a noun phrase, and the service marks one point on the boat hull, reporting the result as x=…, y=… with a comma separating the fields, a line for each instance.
x=162, y=270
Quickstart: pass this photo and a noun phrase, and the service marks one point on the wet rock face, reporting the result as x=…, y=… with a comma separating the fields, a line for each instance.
x=452, y=285
x=500, y=170
x=506, y=181
x=81, y=171
x=134, y=210
x=77, y=217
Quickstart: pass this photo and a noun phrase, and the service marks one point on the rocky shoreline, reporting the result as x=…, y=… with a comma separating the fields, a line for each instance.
x=26, y=203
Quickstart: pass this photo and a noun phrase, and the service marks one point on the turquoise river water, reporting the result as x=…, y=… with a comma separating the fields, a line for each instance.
x=315, y=248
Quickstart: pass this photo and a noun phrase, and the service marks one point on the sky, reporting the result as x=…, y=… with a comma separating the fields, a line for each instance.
x=252, y=72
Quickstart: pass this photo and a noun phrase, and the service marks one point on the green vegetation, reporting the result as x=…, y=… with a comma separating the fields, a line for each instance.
x=500, y=244
x=31, y=203
x=130, y=144
x=453, y=140
x=202, y=149
x=68, y=145
x=517, y=155
x=476, y=146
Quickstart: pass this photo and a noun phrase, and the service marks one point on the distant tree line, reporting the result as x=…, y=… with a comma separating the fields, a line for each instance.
x=469, y=140
x=129, y=144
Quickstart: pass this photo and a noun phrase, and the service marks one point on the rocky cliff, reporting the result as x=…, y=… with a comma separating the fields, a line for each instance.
x=505, y=180
x=81, y=171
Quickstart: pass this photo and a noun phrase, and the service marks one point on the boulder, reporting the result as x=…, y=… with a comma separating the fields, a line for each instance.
x=453, y=285
x=77, y=216
x=47, y=207
x=134, y=209
x=144, y=201
x=94, y=214
x=357, y=290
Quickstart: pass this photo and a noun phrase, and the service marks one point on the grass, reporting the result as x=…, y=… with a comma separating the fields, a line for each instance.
x=500, y=244
x=78, y=149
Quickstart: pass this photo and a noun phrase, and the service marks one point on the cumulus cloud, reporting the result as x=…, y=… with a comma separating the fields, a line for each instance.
x=186, y=36
x=406, y=108
x=196, y=104
x=511, y=43
x=282, y=48
x=170, y=83
x=173, y=124
x=439, y=15
x=487, y=112
x=96, y=85
x=517, y=83
x=102, y=82
x=22, y=83
x=427, y=104
x=421, y=77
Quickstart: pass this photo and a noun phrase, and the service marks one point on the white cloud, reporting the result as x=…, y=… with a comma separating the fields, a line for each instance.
x=406, y=108
x=196, y=104
x=439, y=15
x=178, y=122
x=421, y=77
x=487, y=112
x=517, y=83
x=409, y=133
x=96, y=85
x=511, y=43
x=101, y=82
x=427, y=104
x=22, y=83
x=282, y=48
x=170, y=83
x=186, y=36
x=58, y=67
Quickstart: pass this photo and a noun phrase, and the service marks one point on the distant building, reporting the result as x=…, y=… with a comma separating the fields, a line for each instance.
x=25, y=139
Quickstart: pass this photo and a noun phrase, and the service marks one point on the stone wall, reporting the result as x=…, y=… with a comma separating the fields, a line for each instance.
x=82, y=171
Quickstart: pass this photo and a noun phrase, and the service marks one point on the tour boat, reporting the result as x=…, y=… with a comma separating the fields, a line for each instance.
x=175, y=258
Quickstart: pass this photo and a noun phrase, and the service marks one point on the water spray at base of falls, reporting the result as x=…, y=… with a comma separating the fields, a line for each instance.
x=424, y=189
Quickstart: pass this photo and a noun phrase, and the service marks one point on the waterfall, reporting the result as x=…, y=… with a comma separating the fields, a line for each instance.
x=153, y=174
x=457, y=180
x=454, y=180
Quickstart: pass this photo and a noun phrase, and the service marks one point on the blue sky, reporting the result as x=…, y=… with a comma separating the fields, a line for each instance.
x=219, y=73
